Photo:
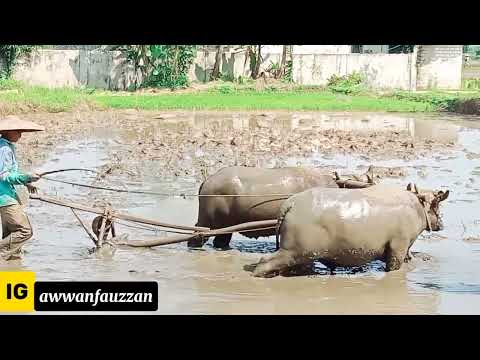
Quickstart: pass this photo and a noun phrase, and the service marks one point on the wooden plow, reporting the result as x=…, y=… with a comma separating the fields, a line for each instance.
x=104, y=225
x=103, y=231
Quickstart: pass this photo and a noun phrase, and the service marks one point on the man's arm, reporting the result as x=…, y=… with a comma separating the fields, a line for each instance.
x=7, y=173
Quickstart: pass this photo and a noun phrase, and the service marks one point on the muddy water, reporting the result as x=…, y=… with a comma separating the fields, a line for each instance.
x=214, y=282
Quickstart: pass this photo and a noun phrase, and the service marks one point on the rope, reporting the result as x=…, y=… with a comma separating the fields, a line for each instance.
x=138, y=227
x=62, y=170
x=185, y=233
x=158, y=193
x=150, y=228
x=340, y=183
x=243, y=231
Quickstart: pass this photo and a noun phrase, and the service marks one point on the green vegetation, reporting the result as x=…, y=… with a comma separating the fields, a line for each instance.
x=347, y=84
x=471, y=84
x=442, y=101
x=9, y=55
x=472, y=50
x=10, y=84
x=162, y=65
x=262, y=100
x=167, y=67
x=16, y=97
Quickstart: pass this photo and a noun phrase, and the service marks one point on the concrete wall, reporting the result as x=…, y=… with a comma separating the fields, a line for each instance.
x=471, y=70
x=233, y=61
x=75, y=68
x=439, y=66
x=233, y=64
x=322, y=49
x=309, y=49
x=382, y=71
x=375, y=49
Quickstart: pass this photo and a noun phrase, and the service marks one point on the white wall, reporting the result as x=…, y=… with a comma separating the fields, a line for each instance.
x=309, y=49
x=382, y=71
x=440, y=66
x=322, y=49
x=74, y=68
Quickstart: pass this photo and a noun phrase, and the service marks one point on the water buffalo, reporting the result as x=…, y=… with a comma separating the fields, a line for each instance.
x=352, y=227
x=219, y=212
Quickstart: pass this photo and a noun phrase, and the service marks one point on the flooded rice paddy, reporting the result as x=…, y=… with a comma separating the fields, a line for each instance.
x=209, y=281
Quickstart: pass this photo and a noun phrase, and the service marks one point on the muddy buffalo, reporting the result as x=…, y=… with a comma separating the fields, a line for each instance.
x=218, y=212
x=344, y=228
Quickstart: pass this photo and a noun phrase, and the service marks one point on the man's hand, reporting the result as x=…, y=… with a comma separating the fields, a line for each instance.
x=34, y=177
x=32, y=189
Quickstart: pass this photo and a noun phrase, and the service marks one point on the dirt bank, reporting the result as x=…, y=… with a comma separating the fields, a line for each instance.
x=470, y=107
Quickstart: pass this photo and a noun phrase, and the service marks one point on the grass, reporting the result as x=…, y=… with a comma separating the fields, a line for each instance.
x=471, y=84
x=260, y=101
x=442, y=101
x=20, y=98
x=16, y=97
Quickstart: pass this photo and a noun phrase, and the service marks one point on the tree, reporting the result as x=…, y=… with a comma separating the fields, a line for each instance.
x=162, y=65
x=254, y=54
x=400, y=49
x=9, y=54
x=281, y=70
x=218, y=59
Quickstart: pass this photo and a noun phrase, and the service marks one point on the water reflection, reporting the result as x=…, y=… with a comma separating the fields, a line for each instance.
x=419, y=128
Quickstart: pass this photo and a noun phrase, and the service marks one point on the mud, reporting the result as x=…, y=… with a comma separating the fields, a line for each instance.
x=168, y=152
x=208, y=141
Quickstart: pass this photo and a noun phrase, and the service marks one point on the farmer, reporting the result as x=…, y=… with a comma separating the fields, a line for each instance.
x=16, y=228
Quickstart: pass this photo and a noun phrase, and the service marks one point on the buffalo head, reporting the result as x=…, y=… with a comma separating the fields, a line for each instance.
x=430, y=200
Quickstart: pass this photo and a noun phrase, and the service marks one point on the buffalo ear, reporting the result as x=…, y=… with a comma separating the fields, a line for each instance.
x=370, y=171
x=443, y=195
x=412, y=188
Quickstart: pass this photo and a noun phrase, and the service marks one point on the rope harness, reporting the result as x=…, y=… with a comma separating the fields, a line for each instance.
x=429, y=225
x=158, y=193
x=104, y=223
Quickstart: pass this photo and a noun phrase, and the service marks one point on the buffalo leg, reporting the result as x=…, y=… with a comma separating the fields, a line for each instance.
x=222, y=241
x=262, y=260
x=395, y=255
x=196, y=243
x=409, y=256
x=281, y=260
x=266, y=258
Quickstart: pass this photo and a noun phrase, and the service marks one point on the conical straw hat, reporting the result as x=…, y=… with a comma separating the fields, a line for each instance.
x=14, y=123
